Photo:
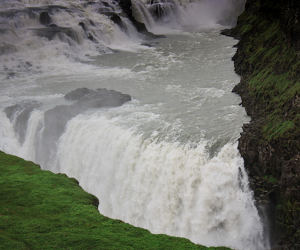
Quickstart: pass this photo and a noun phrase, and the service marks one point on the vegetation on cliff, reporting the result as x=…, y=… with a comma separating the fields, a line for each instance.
x=43, y=210
x=268, y=60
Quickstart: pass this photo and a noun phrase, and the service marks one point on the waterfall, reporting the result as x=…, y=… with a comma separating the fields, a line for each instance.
x=68, y=31
x=179, y=14
x=166, y=159
x=163, y=186
x=141, y=13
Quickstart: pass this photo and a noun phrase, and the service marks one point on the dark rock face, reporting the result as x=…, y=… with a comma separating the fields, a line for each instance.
x=45, y=19
x=98, y=98
x=52, y=30
x=19, y=115
x=57, y=118
x=160, y=10
x=75, y=95
x=116, y=19
x=87, y=33
x=150, y=44
x=141, y=28
x=270, y=143
x=12, y=13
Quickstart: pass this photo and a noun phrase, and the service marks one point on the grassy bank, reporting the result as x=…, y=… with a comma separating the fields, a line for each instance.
x=43, y=210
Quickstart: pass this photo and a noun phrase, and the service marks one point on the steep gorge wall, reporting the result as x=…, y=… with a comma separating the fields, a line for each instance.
x=268, y=60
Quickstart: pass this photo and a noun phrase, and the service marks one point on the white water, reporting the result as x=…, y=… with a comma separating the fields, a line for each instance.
x=166, y=161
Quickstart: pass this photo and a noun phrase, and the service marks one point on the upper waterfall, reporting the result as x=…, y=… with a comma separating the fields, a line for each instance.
x=76, y=30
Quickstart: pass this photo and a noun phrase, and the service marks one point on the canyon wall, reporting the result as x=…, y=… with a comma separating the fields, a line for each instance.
x=268, y=61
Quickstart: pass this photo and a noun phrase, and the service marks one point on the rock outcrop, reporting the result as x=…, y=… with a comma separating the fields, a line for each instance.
x=268, y=61
x=57, y=118
x=19, y=115
x=141, y=27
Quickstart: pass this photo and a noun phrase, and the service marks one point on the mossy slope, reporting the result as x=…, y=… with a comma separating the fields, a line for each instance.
x=268, y=60
x=43, y=210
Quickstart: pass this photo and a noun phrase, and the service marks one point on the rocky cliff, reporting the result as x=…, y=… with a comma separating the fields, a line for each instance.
x=268, y=61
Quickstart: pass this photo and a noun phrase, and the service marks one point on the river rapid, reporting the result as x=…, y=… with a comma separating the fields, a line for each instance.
x=167, y=160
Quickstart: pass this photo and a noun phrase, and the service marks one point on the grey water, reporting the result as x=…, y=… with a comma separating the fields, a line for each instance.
x=168, y=159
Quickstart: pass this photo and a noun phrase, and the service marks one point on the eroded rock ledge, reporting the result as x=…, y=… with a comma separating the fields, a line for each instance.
x=268, y=61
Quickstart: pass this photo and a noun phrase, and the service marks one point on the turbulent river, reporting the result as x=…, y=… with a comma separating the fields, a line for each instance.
x=167, y=160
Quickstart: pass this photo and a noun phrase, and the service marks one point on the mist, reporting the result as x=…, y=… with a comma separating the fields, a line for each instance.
x=207, y=13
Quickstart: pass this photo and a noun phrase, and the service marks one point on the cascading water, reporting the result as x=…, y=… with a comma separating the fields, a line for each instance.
x=167, y=160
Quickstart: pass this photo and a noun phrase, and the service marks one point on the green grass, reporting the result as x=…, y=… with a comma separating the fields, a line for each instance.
x=272, y=68
x=43, y=210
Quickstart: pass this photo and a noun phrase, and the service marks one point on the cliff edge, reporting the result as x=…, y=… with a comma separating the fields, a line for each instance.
x=43, y=210
x=268, y=61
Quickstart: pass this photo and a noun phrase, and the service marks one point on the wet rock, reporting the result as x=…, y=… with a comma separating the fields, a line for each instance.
x=161, y=10
x=116, y=19
x=85, y=99
x=19, y=115
x=88, y=34
x=77, y=94
x=141, y=28
x=103, y=10
x=10, y=74
x=150, y=44
x=14, y=12
x=92, y=22
x=53, y=30
x=57, y=118
x=3, y=31
x=82, y=25
x=102, y=98
x=44, y=18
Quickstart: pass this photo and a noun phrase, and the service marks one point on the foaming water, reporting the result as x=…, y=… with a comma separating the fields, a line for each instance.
x=166, y=187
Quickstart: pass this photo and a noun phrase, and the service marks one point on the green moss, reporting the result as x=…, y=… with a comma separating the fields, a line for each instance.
x=268, y=59
x=274, y=70
x=43, y=210
x=280, y=129
x=286, y=214
x=270, y=179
